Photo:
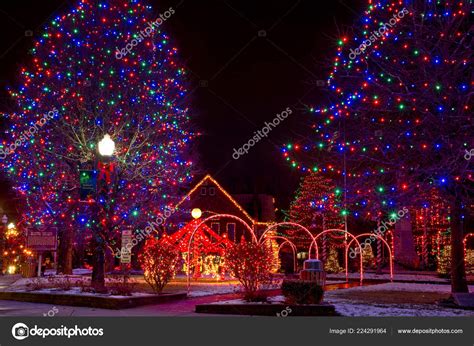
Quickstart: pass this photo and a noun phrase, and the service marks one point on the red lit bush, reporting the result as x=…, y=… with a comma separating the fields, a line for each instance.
x=159, y=262
x=251, y=264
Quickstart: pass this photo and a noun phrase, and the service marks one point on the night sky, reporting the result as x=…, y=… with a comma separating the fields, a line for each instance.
x=247, y=61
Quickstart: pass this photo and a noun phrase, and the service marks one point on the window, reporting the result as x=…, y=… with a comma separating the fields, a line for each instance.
x=212, y=191
x=231, y=231
x=203, y=191
x=302, y=255
x=216, y=227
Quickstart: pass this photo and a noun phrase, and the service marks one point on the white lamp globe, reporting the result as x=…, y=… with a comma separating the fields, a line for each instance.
x=106, y=146
x=196, y=213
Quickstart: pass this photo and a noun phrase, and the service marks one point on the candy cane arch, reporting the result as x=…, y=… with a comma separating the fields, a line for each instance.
x=292, y=245
x=324, y=257
x=313, y=240
x=424, y=245
x=379, y=250
x=380, y=238
x=216, y=216
x=347, y=248
x=392, y=245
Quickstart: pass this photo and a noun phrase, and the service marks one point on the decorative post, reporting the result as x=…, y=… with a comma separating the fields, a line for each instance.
x=325, y=246
x=2, y=241
x=106, y=170
x=379, y=250
x=425, y=245
x=379, y=255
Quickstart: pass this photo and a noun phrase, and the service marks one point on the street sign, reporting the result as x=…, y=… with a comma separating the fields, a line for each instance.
x=88, y=183
x=42, y=239
x=126, y=253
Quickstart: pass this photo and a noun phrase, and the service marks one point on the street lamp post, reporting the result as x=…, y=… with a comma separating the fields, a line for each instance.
x=106, y=148
x=2, y=241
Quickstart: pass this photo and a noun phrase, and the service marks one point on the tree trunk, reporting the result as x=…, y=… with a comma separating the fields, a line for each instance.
x=79, y=254
x=98, y=270
x=458, y=272
x=65, y=252
x=2, y=247
x=109, y=260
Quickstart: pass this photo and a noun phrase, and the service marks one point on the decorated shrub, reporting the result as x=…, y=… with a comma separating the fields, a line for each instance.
x=332, y=263
x=302, y=292
x=251, y=264
x=159, y=261
x=444, y=261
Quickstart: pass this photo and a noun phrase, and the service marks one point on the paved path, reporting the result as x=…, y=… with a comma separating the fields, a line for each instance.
x=177, y=308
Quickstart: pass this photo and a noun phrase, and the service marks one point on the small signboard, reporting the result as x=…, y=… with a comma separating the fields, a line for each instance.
x=126, y=254
x=88, y=183
x=42, y=239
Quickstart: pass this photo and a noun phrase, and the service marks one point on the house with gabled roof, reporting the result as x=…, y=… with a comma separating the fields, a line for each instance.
x=257, y=210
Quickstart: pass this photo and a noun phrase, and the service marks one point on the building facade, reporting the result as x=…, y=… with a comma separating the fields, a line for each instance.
x=256, y=210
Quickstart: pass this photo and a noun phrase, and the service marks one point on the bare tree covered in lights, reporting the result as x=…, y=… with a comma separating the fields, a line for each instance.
x=137, y=100
x=401, y=111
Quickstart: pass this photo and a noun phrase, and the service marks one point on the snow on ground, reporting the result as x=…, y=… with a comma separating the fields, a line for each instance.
x=78, y=291
x=401, y=287
x=335, y=282
x=351, y=307
x=81, y=271
x=75, y=271
x=204, y=289
x=209, y=290
x=271, y=300
x=386, y=276
x=24, y=282
x=345, y=299
x=348, y=308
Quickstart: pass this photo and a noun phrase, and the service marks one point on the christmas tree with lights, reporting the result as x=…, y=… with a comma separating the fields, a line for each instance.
x=400, y=121
x=368, y=258
x=332, y=263
x=76, y=91
x=317, y=198
x=317, y=206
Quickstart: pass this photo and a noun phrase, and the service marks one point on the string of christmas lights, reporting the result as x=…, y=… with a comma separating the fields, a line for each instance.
x=401, y=108
x=139, y=100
